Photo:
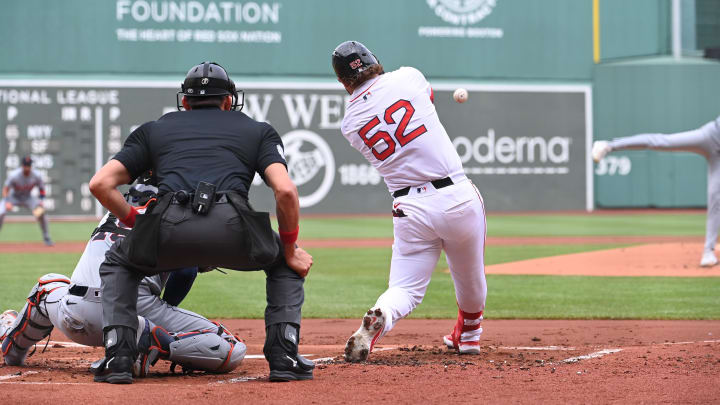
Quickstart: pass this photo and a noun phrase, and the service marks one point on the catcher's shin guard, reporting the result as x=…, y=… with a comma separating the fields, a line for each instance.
x=281, y=352
x=212, y=351
x=32, y=323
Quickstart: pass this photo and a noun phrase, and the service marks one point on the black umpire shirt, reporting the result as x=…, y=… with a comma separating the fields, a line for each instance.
x=224, y=148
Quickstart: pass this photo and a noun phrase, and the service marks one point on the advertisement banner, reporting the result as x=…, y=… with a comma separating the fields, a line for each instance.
x=525, y=147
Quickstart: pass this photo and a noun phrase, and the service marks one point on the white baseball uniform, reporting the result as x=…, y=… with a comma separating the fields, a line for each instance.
x=392, y=121
x=704, y=141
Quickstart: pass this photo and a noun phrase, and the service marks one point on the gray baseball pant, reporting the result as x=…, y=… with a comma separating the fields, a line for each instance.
x=704, y=141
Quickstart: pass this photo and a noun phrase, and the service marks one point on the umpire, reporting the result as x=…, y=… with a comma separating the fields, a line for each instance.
x=205, y=159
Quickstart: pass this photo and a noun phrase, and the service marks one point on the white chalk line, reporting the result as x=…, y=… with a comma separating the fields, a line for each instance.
x=65, y=344
x=593, y=355
x=552, y=348
x=16, y=375
x=689, y=343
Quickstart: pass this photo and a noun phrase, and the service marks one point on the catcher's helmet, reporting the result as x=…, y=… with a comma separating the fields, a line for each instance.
x=350, y=58
x=209, y=79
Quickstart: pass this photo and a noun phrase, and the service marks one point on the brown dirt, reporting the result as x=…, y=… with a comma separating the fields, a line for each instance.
x=660, y=362
x=661, y=259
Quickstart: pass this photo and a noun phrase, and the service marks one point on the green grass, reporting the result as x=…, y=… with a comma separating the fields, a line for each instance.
x=345, y=282
x=684, y=224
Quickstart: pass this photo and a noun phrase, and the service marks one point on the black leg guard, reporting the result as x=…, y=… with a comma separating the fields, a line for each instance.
x=120, y=354
x=281, y=352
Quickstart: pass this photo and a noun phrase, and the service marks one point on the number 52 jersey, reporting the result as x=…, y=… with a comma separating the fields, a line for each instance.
x=392, y=121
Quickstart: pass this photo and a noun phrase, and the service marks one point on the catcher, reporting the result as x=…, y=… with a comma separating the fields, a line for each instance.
x=74, y=306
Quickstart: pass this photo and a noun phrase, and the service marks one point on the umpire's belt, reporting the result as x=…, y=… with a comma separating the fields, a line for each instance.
x=180, y=199
x=83, y=290
x=438, y=184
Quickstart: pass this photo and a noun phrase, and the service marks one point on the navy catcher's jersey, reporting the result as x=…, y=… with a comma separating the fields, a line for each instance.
x=224, y=148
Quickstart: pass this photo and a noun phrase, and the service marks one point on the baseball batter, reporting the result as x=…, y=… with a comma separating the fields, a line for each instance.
x=16, y=191
x=390, y=118
x=704, y=141
x=74, y=306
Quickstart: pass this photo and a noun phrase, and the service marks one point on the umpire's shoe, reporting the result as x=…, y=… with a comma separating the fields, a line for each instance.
x=281, y=351
x=120, y=354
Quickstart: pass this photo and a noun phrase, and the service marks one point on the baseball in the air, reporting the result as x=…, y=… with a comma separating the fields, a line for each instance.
x=460, y=95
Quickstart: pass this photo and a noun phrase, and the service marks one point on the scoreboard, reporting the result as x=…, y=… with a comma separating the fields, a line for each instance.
x=72, y=130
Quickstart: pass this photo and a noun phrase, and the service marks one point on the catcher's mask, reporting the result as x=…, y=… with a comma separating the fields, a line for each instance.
x=209, y=79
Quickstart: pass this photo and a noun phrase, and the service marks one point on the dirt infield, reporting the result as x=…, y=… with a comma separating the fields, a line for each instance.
x=659, y=259
x=521, y=361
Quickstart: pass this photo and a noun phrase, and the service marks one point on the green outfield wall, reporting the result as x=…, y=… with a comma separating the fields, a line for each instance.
x=653, y=96
x=488, y=39
x=70, y=71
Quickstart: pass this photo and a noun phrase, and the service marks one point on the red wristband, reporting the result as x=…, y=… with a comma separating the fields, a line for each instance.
x=129, y=220
x=289, y=237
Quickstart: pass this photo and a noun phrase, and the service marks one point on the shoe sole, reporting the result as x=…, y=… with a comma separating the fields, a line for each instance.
x=284, y=376
x=115, y=378
x=360, y=344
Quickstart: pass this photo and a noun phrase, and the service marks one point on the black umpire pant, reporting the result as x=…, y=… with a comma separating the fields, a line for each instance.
x=221, y=238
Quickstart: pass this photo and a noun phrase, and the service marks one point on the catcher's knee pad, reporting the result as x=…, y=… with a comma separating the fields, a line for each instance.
x=32, y=323
x=208, y=350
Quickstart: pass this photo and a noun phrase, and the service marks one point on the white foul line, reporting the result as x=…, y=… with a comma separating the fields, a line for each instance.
x=9, y=376
x=558, y=348
x=66, y=344
x=236, y=380
x=689, y=343
x=591, y=355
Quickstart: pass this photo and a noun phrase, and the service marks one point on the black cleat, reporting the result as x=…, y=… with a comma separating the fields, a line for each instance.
x=285, y=368
x=117, y=370
x=281, y=352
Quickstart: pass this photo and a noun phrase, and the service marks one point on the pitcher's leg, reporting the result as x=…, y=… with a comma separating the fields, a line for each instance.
x=712, y=223
x=2, y=212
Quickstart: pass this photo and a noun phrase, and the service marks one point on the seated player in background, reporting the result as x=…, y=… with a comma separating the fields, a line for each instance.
x=16, y=192
x=74, y=306
x=704, y=141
